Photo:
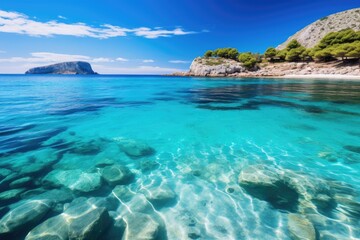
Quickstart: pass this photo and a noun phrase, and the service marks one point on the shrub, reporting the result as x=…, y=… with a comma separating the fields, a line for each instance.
x=248, y=59
x=270, y=53
x=208, y=54
x=293, y=44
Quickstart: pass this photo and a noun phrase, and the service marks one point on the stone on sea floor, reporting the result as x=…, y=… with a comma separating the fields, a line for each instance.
x=10, y=195
x=161, y=196
x=75, y=180
x=22, y=182
x=55, y=228
x=104, y=162
x=81, y=221
x=134, y=148
x=355, y=149
x=56, y=195
x=349, y=206
x=25, y=216
x=4, y=172
x=101, y=202
x=141, y=226
x=8, y=179
x=148, y=165
x=90, y=224
x=300, y=228
x=117, y=174
x=117, y=230
x=123, y=193
x=91, y=147
x=35, y=168
x=266, y=184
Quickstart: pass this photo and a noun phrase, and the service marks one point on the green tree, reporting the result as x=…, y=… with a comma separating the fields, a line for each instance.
x=208, y=54
x=324, y=55
x=248, y=60
x=306, y=55
x=293, y=44
x=295, y=54
x=270, y=53
x=340, y=51
x=281, y=54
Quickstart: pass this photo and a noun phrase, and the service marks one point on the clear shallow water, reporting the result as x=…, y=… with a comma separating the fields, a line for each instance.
x=203, y=134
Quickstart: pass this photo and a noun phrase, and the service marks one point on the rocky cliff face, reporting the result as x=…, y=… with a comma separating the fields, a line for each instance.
x=63, y=68
x=313, y=33
x=215, y=67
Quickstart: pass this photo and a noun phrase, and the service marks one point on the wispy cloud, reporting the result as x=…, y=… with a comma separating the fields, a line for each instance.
x=155, y=33
x=46, y=57
x=1, y=51
x=148, y=61
x=179, y=61
x=120, y=59
x=102, y=60
x=62, y=17
x=13, y=22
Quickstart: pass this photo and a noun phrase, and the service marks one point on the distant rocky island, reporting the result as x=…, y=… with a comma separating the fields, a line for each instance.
x=83, y=68
x=327, y=47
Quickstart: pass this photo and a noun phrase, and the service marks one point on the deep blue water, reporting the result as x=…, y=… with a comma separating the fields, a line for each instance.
x=202, y=133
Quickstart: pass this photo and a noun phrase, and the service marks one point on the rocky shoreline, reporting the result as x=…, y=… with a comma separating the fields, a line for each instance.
x=202, y=67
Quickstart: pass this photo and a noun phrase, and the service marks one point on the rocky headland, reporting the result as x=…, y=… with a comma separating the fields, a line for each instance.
x=205, y=67
x=64, y=68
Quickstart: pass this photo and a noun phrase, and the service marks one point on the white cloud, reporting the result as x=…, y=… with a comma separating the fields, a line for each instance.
x=179, y=61
x=101, y=59
x=49, y=58
x=13, y=22
x=62, y=17
x=155, y=33
x=135, y=70
x=119, y=59
x=46, y=57
x=148, y=61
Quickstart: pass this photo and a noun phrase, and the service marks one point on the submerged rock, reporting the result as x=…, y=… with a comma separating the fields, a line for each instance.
x=22, y=182
x=117, y=174
x=81, y=221
x=56, y=195
x=25, y=216
x=148, y=165
x=300, y=228
x=123, y=193
x=268, y=185
x=117, y=230
x=75, y=180
x=104, y=162
x=10, y=195
x=4, y=172
x=91, y=147
x=141, y=226
x=134, y=148
x=161, y=196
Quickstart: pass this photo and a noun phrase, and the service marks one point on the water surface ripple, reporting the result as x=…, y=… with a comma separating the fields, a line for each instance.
x=150, y=157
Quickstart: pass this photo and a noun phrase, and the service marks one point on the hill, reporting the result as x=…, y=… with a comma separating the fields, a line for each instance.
x=313, y=33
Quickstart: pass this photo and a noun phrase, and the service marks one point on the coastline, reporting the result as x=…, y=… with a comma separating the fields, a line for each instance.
x=200, y=67
x=322, y=76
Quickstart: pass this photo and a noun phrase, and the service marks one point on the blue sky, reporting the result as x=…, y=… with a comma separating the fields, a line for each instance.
x=143, y=36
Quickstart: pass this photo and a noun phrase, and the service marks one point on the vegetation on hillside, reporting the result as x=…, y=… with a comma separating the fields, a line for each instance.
x=342, y=45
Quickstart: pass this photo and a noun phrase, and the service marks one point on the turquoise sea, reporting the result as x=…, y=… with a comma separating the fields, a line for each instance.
x=154, y=157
